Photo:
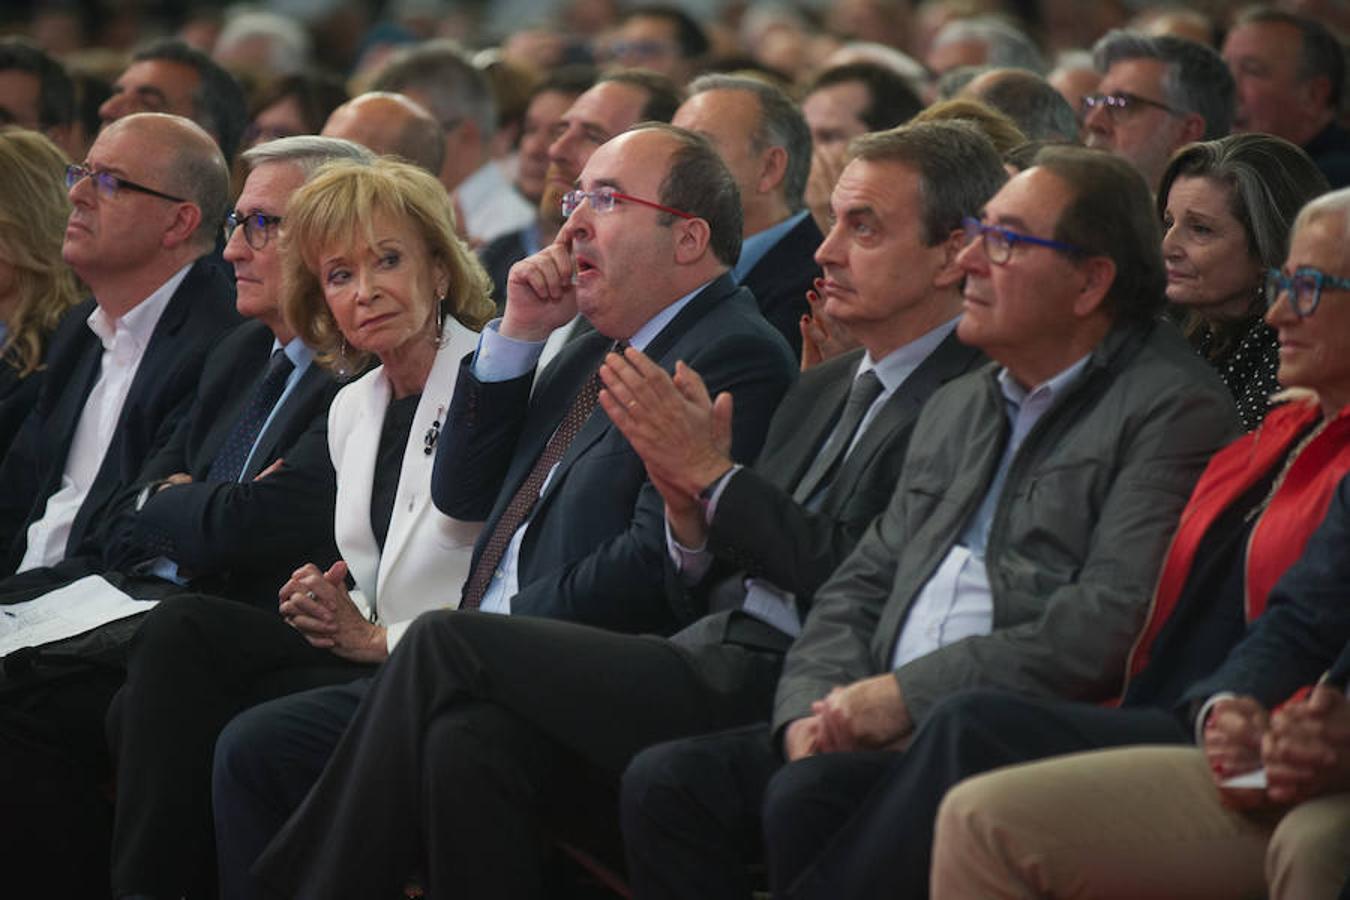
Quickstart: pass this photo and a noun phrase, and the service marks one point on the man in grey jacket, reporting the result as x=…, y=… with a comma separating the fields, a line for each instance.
x=1020, y=547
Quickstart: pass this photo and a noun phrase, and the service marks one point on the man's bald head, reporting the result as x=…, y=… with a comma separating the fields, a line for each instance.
x=194, y=166
x=391, y=125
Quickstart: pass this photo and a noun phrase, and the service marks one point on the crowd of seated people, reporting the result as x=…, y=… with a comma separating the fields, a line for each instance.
x=834, y=450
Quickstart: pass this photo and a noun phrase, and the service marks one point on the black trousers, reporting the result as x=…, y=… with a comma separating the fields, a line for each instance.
x=840, y=825
x=55, y=772
x=54, y=780
x=196, y=662
x=482, y=737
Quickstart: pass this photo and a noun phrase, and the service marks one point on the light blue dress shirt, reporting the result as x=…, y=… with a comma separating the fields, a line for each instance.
x=956, y=602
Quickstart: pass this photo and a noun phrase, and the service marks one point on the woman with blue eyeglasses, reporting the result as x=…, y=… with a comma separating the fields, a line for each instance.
x=1165, y=821
x=1226, y=208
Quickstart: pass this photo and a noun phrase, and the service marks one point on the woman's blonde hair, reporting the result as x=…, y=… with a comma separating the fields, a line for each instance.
x=339, y=207
x=34, y=207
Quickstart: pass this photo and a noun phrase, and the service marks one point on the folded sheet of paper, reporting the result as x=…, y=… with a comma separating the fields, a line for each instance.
x=1253, y=780
x=65, y=612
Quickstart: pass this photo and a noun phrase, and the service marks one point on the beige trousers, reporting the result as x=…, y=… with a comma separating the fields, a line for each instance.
x=1137, y=823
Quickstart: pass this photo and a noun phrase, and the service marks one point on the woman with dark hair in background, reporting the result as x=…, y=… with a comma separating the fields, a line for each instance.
x=1227, y=207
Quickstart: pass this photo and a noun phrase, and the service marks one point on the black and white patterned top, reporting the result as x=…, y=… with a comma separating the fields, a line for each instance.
x=1247, y=358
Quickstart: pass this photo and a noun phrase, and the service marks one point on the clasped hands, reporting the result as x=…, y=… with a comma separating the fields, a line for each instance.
x=318, y=605
x=869, y=714
x=682, y=435
x=1304, y=747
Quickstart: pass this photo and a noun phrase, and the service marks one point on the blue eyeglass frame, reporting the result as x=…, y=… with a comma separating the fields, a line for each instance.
x=1278, y=283
x=975, y=228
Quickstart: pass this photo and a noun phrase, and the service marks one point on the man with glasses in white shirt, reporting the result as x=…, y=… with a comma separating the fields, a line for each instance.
x=121, y=372
x=148, y=204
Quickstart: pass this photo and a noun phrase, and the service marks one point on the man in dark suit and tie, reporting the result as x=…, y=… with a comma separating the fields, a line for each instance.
x=197, y=516
x=764, y=140
x=777, y=530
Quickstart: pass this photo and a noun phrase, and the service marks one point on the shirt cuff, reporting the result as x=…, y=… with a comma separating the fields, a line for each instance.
x=501, y=358
x=713, y=493
x=692, y=563
x=1205, y=710
x=392, y=633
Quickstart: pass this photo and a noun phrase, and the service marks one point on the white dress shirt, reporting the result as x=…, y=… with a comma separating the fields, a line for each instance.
x=956, y=602
x=491, y=205
x=124, y=343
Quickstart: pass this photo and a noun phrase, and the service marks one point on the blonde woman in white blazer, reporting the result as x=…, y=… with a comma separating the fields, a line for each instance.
x=426, y=554
x=374, y=273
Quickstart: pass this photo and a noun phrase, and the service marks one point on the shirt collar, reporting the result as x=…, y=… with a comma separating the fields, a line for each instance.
x=756, y=245
x=900, y=363
x=296, y=351
x=139, y=322
x=644, y=335
x=1016, y=395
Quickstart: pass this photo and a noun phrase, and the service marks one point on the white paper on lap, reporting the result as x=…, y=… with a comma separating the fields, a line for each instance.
x=65, y=612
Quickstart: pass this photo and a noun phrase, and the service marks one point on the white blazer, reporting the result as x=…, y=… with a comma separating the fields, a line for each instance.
x=426, y=553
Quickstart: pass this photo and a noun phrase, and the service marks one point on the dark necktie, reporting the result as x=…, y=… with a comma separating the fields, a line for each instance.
x=864, y=391
x=229, y=462
x=525, y=497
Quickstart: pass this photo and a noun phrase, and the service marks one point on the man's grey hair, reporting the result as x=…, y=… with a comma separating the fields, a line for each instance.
x=288, y=43
x=1196, y=80
x=453, y=89
x=305, y=151
x=1008, y=46
x=958, y=169
x=781, y=124
x=1029, y=100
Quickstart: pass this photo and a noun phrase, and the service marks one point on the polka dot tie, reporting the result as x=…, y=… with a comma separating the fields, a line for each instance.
x=229, y=462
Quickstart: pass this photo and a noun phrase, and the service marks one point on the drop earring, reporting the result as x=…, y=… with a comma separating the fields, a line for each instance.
x=343, y=363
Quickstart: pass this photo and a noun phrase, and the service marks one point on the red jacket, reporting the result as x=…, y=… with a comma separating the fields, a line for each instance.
x=1279, y=535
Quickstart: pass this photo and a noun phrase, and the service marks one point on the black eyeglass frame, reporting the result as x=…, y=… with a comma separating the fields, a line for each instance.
x=253, y=223
x=109, y=184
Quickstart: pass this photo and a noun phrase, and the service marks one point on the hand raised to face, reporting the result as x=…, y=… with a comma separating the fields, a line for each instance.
x=540, y=295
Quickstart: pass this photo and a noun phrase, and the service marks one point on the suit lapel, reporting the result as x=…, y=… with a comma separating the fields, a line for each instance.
x=162, y=350
x=809, y=440
x=356, y=480
x=312, y=383
x=84, y=373
x=413, y=501
x=949, y=360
